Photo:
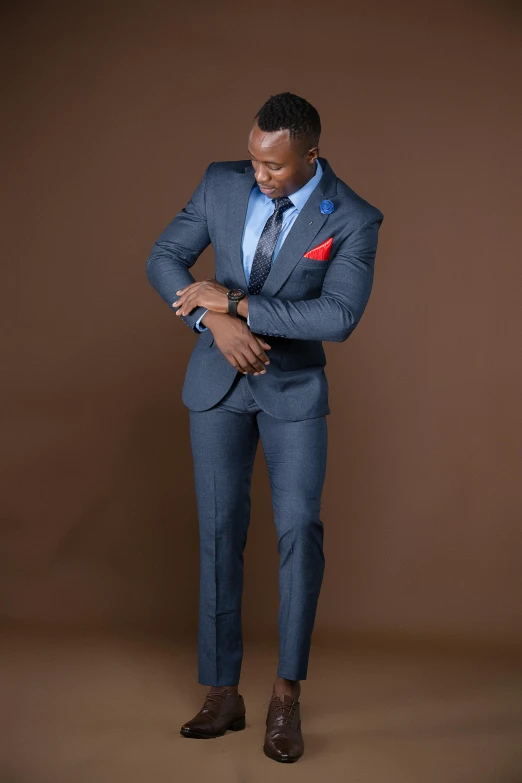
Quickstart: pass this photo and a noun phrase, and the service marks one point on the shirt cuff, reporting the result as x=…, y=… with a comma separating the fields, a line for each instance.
x=199, y=326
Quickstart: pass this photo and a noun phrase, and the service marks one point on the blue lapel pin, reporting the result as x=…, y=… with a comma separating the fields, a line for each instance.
x=326, y=207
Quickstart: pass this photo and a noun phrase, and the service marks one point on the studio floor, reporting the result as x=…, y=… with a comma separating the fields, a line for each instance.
x=81, y=708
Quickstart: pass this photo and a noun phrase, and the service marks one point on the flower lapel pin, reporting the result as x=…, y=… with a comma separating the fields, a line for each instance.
x=326, y=207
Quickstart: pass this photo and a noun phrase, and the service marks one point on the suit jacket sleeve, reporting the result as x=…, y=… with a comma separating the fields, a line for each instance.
x=178, y=248
x=345, y=293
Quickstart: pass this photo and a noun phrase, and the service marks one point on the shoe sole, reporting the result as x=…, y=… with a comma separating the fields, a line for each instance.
x=237, y=725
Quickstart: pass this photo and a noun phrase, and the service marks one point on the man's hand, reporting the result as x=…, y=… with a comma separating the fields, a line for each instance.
x=207, y=293
x=242, y=348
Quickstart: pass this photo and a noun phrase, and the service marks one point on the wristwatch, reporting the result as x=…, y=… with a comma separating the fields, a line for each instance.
x=235, y=295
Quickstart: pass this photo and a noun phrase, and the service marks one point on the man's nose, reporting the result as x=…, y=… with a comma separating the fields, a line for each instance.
x=262, y=176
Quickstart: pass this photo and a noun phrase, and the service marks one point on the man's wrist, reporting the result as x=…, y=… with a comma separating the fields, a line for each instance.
x=207, y=318
x=242, y=307
x=211, y=316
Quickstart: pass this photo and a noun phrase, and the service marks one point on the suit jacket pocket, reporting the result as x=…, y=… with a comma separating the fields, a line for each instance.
x=314, y=278
x=301, y=354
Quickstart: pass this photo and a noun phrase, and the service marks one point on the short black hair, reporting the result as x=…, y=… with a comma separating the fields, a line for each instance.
x=287, y=111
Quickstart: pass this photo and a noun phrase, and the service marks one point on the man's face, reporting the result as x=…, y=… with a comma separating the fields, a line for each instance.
x=281, y=164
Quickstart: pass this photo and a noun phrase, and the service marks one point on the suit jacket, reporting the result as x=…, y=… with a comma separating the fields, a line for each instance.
x=303, y=301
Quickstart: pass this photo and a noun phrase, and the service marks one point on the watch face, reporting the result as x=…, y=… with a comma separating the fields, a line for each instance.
x=235, y=292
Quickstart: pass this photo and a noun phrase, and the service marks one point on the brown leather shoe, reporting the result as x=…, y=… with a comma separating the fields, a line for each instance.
x=283, y=739
x=221, y=711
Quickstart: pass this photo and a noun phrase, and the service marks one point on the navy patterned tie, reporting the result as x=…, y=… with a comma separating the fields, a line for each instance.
x=266, y=246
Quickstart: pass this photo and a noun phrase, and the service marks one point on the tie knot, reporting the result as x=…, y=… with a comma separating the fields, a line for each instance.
x=283, y=203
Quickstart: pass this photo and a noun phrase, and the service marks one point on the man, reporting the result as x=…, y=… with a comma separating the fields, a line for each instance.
x=294, y=256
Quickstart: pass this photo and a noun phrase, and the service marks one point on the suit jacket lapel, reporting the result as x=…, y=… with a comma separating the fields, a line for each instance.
x=236, y=214
x=306, y=226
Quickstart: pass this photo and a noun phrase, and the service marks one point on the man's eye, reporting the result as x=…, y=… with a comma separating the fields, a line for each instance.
x=275, y=168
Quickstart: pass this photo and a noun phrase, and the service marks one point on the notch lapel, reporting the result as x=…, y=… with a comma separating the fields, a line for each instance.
x=236, y=214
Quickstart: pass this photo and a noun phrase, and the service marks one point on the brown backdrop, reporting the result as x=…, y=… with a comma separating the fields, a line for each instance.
x=112, y=113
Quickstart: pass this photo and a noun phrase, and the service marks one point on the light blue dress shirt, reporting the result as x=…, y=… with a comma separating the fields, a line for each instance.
x=260, y=207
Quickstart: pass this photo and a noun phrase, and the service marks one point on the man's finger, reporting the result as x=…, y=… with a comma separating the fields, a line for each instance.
x=180, y=301
x=235, y=363
x=255, y=362
x=187, y=288
x=189, y=304
x=259, y=352
x=260, y=347
x=251, y=363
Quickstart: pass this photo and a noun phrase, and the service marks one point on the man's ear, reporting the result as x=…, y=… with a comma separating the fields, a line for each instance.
x=312, y=154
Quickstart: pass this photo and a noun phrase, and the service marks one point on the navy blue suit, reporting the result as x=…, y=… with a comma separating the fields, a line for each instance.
x=303, y=302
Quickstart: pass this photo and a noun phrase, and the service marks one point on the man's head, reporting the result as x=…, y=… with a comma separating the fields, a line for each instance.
x=283, y=144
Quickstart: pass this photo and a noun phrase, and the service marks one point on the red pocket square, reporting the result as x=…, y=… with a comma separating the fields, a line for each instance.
x=321, y=252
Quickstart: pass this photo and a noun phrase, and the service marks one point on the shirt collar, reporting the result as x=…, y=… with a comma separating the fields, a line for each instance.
x=300, y=197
